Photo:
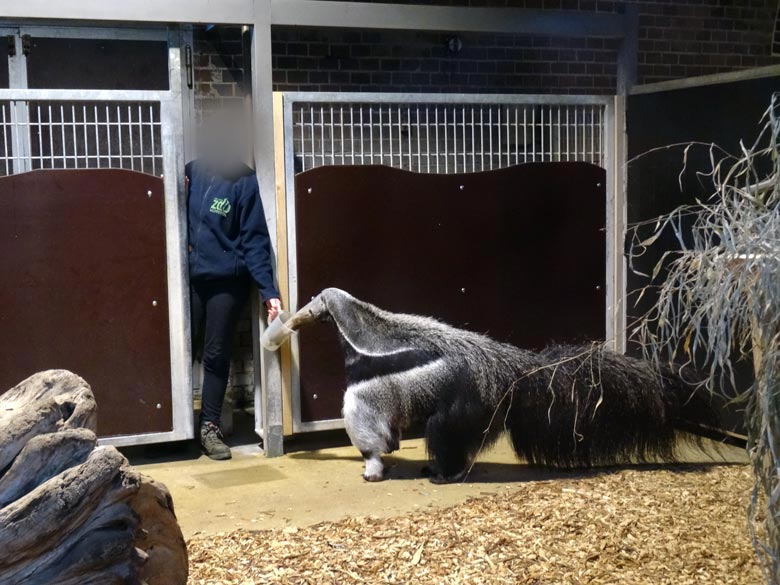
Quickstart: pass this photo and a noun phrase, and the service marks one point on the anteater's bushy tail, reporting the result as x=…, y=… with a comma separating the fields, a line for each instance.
x=593, y=407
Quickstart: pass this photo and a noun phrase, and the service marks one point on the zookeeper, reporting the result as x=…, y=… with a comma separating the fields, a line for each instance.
x=229, y=248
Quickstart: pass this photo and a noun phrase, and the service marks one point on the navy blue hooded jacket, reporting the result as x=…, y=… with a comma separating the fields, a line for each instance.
x=228, y=235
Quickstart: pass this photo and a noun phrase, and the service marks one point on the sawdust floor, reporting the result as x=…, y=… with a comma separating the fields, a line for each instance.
x=308, y=517
x=664, y=526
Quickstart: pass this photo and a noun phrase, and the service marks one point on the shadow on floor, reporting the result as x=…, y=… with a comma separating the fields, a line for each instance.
x=335, y=438
x=494, y=472
x=315, y=446
x=243, y=435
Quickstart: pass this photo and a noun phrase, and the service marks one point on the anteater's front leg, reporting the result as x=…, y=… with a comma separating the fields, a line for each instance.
x=370, y=432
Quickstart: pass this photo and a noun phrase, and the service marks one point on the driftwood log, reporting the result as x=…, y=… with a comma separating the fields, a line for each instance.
x=72, y=512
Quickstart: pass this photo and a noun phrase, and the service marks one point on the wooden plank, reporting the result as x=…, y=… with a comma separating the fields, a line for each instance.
x=518, y=253
x=281, y=256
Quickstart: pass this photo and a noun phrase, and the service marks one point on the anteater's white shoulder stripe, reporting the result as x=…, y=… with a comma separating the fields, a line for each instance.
x=416, y=375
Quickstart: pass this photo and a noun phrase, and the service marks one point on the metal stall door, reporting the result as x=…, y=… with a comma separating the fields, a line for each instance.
x=664, y=172
x=93, y=229
x=502, y=219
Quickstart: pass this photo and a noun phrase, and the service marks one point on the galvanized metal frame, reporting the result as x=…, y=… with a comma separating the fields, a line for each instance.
x=705, y=80
x=268, y=380
x=616, y=223
x=17, y=77
x=82, y=31
x=170, y=104
x=144, y=11
x=262, y=14
x=18, y=67
x=614, y=218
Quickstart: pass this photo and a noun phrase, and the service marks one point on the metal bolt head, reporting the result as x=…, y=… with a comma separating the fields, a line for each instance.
x=598, y=287
x=159, y=406
x=308, y=190
x=149, y=193
x=598, y=184
x=314, y=396
x=154, y=303
x=463, y=290
x=462, y=187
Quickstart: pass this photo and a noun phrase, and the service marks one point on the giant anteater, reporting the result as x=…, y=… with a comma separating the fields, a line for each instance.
x=564, y=407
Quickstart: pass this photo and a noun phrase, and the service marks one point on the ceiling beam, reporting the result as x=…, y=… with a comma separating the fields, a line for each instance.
x=324, y=13
x=147, y=11
x=445, y=18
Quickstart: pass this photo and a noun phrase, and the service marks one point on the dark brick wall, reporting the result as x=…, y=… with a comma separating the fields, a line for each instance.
x=333, y=60
x=677, y=38
x=219, y=67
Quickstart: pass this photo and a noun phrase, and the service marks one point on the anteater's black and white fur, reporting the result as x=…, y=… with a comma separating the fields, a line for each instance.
x=564, y=407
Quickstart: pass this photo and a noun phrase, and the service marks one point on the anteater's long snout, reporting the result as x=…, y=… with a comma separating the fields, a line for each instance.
x=286, y=323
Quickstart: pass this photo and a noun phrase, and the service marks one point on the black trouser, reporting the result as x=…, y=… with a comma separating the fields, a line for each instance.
x=216, y=308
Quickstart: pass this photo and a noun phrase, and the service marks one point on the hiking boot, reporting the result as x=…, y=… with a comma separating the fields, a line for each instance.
x=213, y=443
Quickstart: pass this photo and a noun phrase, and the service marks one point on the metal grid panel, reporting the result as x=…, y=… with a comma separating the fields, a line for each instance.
x=445, y=138
x=43, y=134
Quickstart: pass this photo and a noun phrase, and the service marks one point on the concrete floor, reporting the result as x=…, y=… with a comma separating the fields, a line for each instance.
x=318, y=483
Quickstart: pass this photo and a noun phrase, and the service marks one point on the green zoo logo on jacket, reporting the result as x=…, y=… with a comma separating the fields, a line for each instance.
x=220, y=206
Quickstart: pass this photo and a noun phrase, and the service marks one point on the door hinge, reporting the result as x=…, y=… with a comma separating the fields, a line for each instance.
x=26, y=44
x=11, y=45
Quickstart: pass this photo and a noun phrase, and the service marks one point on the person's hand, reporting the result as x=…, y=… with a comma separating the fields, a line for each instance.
x=273, y=306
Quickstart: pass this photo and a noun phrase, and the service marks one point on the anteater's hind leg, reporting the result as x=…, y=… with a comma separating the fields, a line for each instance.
x=454, y=436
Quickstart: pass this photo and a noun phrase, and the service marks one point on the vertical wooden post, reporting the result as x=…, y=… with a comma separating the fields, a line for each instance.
x=281, y=256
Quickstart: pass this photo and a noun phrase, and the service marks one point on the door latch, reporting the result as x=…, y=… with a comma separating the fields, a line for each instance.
x=188, y=65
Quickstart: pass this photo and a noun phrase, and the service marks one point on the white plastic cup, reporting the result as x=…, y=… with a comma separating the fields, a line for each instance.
x=277, y=332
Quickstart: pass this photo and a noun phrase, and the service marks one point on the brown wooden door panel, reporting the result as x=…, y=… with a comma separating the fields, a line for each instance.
x=83, y=262
x=518, y=253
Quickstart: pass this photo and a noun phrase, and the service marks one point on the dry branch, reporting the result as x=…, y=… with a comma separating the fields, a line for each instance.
x=718, y=302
